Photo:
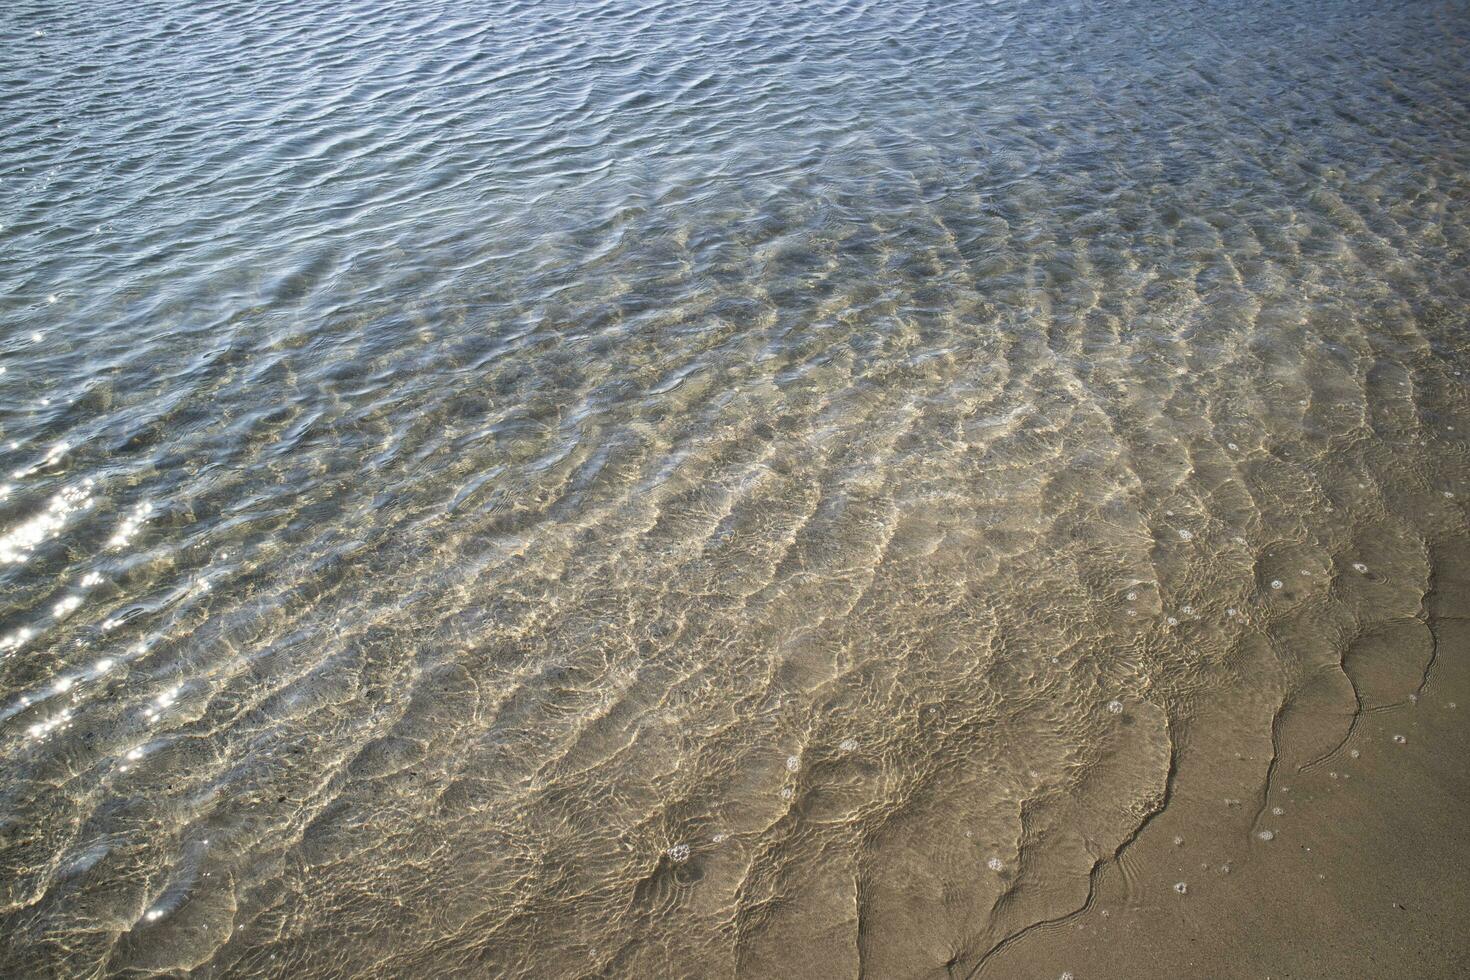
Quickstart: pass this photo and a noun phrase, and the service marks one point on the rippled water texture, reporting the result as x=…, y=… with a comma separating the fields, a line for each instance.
x=697, y=488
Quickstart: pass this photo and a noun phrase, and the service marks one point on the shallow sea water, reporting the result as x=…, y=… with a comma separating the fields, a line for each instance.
x=696, y=488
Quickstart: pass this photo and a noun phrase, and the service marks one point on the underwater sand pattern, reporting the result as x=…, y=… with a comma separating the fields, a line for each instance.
x=701, y=489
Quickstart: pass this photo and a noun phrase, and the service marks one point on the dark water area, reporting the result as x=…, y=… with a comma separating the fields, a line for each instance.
x=700, y=488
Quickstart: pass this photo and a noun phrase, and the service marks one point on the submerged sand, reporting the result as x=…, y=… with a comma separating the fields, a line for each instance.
x=720, y=489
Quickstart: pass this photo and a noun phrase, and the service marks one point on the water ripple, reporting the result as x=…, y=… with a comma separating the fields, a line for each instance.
x=667, y=489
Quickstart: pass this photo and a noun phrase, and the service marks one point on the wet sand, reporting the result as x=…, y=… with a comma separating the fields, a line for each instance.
x=1365, y=874
x=1334, y=848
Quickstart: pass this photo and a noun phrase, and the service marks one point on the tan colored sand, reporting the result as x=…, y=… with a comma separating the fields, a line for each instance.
x=1366, y=875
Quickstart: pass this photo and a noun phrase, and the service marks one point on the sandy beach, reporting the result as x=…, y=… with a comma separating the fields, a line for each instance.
x=1359, y=878
x=784, y=489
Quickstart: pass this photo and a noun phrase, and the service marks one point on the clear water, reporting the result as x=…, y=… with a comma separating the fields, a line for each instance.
x=695, y=488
